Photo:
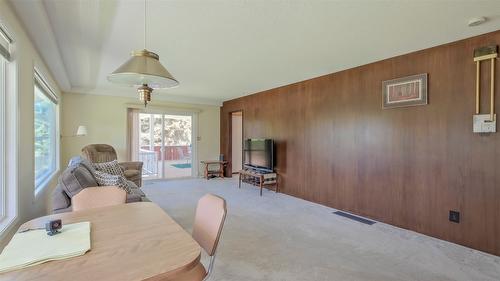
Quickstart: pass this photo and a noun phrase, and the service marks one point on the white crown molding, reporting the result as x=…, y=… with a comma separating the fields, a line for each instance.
x=130, y=92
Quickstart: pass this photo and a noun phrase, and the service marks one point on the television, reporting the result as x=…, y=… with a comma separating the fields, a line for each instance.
x=258, y=154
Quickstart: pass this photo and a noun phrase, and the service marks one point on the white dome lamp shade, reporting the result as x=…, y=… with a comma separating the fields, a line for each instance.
x=143, y=69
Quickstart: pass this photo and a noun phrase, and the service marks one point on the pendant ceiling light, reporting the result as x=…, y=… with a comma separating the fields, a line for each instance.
x=144, y=70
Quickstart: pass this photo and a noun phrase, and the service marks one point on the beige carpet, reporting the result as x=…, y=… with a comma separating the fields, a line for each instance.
x=279, y=237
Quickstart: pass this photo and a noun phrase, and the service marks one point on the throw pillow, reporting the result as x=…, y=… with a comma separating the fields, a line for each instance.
x=73, y=180
x=112, y=168
x=86, y=164
x=116, y=180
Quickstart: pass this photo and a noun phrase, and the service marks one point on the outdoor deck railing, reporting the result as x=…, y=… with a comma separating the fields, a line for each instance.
x=150, y=157
x=150, y=162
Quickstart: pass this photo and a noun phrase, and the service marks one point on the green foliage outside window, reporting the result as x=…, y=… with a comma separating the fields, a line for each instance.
x=45, y=136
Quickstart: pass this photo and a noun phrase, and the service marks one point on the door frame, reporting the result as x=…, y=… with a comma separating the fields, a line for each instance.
x=230, y=144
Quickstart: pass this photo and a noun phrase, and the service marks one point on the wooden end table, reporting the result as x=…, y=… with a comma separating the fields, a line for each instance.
x=219, y=172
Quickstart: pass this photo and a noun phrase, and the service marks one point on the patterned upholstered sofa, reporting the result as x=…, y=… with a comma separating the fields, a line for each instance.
x=75, y=178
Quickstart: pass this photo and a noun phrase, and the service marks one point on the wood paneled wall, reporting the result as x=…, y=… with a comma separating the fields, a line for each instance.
x=407, y=166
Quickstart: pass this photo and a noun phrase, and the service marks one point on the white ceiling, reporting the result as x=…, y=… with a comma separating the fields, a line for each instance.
x=219, y=50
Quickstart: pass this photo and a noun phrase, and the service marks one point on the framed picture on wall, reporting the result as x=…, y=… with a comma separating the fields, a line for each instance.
x=405, y=91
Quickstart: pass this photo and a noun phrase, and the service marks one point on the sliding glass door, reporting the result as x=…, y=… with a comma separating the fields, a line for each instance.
x=165, y=145
x=150, y=144
x=177, y=133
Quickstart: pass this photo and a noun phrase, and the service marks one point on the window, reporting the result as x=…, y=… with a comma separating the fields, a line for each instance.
x=45, y=133
x=8, y=132
x=3, y=131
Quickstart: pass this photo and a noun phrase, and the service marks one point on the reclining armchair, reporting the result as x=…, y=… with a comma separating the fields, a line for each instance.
x=98, y=153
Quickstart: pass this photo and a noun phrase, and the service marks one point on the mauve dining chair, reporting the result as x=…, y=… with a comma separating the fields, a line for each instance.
x=208, y=222
x=99, y=196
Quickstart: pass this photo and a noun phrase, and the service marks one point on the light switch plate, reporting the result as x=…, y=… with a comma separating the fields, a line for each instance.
x=482, y=124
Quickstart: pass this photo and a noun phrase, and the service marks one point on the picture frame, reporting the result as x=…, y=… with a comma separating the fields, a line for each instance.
x=405, y=91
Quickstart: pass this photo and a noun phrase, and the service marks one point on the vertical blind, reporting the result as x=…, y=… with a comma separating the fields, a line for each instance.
x=133, y=134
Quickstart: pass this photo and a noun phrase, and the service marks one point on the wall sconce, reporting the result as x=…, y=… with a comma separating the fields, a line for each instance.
x=80, y=132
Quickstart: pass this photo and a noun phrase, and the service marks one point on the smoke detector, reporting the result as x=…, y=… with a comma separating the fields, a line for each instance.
x=476, y=21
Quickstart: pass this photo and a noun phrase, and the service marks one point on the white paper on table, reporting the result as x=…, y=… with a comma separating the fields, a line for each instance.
x=35, y=246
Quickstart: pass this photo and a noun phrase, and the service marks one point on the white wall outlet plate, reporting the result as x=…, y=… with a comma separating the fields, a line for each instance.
x=483, y=124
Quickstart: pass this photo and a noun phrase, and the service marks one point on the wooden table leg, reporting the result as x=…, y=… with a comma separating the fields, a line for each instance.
x=261, y=184
x=277, y=186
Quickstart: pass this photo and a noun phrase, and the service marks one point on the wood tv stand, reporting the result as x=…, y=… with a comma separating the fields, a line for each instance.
x=259, y=178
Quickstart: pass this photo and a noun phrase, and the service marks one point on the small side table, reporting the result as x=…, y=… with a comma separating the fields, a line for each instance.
x=219, y=172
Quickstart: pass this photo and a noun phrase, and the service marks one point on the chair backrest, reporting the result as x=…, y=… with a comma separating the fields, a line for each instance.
x=99, y=196
x=208, y=222
x=99, y=153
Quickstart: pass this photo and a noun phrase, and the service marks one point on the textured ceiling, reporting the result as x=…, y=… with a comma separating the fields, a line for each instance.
x=219, y=50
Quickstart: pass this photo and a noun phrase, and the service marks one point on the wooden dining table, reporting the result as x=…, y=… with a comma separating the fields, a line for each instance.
x=134, y=241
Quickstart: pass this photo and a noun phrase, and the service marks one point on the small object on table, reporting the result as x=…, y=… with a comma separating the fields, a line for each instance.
x=213, y=173
x=53, y=227
x=256, y=178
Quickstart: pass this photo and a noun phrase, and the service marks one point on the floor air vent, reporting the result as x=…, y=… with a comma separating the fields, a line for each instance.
x=353, y=217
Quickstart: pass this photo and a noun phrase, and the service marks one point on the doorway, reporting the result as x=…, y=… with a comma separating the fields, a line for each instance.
x=165, y=145
x=236, y=141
